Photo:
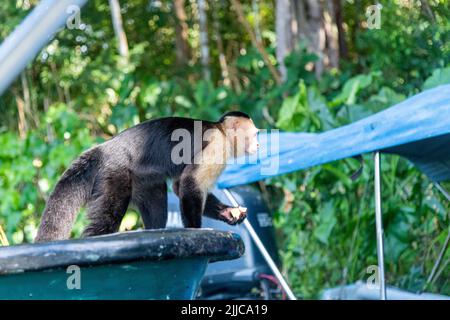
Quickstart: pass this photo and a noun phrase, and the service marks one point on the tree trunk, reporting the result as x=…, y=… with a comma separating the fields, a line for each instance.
x=294, y=28
x=50, y=130
x=256, y=13
x=204, y=46
x=316, y=34
x=121, y=36
x=30, y=96
x=56, y=80
x=425, y=6
x=299, y=11
x=284, y=34
x=331, y=34
x=26, y=93
x=231, y=52
x=222, y=58
x=183, y=50
x=22, y=123
x=343, y=51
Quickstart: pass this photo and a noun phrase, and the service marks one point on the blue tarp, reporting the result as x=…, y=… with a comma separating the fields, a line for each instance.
x=417, y=128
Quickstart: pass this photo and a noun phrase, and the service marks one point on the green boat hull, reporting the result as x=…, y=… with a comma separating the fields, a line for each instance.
x=164, y=280
x=158, y=265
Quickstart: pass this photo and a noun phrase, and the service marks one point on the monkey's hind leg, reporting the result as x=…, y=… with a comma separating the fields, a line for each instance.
x=151, y=201
x=108, y=205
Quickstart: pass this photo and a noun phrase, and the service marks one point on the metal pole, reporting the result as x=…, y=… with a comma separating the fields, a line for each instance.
x=442, y=190
x=379, y=226
x=438, y=261
x=35, y=31
x=263, y=249
x=444, y=247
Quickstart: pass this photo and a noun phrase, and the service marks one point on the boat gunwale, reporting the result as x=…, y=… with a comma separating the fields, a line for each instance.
x=145, y=245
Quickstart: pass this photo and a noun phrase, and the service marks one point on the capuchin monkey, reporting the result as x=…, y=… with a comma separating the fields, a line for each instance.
x=133, y=168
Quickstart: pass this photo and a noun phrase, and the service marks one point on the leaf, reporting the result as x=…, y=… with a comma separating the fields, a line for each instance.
x=150, y=94
x=126, y=87
x=439, y=76
x=435, y=205
x=351, y=88
x=291, y=108
x=326, y=222
x=183, y=101
x=387, y=97
x=397, y=236
x=286, y=112
x=204, y=95
x=319, y=107
x=394, y=247
x=342, y=176
x=353, y=113
x=10, y=145
x=123, y=116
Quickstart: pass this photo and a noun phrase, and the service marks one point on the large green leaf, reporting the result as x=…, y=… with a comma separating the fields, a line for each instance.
x=351, y=88
x=326, y=222
x=439, y=76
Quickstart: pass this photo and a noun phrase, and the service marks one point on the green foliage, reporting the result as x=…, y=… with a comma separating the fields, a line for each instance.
x=303, y=111
x=439, y=76
x=351, y=89
x=30, y=168
x=82, y=92
x=408, y=46
x=327, y=225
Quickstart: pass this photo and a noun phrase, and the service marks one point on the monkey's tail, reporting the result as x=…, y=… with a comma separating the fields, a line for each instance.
x=70, y=193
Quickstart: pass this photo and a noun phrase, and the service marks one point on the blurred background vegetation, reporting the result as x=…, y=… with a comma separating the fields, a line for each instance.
x=296, y=65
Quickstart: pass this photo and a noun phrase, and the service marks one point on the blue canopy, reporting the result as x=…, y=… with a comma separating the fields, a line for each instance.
x=417, y=128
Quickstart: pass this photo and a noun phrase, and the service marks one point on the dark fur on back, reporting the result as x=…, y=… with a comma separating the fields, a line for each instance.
x=131, y=168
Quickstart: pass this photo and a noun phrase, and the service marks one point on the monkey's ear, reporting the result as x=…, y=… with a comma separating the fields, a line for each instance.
x=232, y=123
x=235, y=123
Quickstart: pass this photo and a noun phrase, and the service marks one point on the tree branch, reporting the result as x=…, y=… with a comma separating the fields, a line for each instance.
x=258, y=45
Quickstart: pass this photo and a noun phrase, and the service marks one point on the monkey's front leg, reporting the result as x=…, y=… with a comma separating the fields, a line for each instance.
x=219, y=211
x=192, y=200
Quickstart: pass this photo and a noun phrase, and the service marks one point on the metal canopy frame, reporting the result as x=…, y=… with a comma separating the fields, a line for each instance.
x=379, y=235
x=379, y=225
x=262, y=249
x=33, y=33
x=380, y=232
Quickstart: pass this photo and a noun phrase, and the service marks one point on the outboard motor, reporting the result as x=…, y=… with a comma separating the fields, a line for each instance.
x=248, y=277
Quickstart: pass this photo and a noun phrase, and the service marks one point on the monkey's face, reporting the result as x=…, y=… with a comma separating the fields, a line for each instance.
x=243, y=136
x=251, y=138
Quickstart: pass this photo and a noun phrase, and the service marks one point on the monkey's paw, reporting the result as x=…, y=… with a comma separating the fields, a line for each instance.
x=233, y=215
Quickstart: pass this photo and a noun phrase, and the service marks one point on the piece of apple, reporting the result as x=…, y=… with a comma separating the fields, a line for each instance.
x=236, y=212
